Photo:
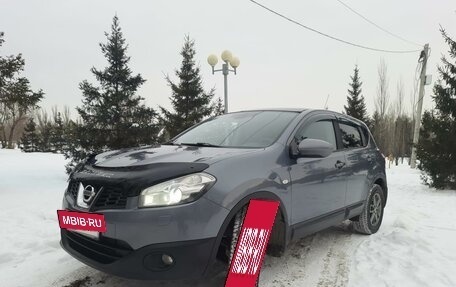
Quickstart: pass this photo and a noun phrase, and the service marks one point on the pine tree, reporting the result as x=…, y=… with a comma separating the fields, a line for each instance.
x=189, y=101
x=113, y=115
x=17, y=100
x=29, y=138
x=356, y=107
x=219, y=108
x=436, y=149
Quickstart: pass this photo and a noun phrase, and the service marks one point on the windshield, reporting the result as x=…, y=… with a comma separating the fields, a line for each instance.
x=257, y=129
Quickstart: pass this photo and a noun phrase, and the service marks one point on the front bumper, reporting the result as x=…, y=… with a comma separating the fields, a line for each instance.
x=136, y=239
x=140, y=227
x=190, y=258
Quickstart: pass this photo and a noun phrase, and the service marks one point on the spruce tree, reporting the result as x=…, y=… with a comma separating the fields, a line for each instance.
x=189, y=100
x=219, y=108
x=73, y=135
x=436, y=149
x=44, y=137
x=57, y=133
x=356, y=107
x=113, y=115
x=29, y=138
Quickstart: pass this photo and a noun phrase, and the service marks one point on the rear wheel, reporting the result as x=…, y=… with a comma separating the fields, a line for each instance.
x=371, y=218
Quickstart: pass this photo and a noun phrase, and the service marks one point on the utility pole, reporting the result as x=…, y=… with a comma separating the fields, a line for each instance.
x=416, y=133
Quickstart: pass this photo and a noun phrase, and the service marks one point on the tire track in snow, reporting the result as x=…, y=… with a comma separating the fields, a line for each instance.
x=322, y=260
x=336, y=264
x=335, y=269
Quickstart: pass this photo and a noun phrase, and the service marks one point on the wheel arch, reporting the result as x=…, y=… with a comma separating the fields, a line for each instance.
x=241, y=203
x=381, y=181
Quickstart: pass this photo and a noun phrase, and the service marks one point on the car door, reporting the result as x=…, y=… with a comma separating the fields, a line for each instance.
x=358, y=162
x=318, y=184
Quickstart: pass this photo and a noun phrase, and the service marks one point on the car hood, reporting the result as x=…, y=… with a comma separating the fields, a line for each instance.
x=165, y=154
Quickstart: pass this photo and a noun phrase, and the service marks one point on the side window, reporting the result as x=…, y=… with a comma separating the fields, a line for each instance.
x=351, y=136
x=321, y=130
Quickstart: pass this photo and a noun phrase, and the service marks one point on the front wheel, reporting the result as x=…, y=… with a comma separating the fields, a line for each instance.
x=238, y=221
x=372, y=215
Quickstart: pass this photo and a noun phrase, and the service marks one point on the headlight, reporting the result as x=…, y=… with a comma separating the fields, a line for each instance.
x=179, y=190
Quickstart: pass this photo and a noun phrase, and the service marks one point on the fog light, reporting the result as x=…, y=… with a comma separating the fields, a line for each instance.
x=167, y=260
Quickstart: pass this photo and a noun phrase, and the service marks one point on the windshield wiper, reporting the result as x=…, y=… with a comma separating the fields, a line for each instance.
x=201, y=144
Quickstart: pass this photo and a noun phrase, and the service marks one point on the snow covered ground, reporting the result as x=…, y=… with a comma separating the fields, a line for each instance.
x=414, y=247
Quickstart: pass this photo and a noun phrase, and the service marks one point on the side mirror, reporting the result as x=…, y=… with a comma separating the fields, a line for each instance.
x=314, y=148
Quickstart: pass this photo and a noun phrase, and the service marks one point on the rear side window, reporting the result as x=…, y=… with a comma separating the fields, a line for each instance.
x=321, y=130
x=351, y=135
x=365, y=135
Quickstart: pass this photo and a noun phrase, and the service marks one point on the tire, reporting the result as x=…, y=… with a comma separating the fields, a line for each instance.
x=238, y=221
x=237, y=227
x=370, y=219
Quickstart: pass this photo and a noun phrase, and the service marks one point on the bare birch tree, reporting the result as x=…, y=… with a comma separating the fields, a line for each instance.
x=400, y=97
x=382, y=99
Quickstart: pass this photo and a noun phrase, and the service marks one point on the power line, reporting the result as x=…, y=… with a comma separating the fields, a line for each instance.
x=332, y=37
x=378, y=26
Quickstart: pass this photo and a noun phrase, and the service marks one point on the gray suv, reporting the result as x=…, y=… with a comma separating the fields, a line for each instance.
x=174, y=211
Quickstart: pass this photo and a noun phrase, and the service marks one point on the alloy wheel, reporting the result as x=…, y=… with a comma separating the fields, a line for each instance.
x=375, y=209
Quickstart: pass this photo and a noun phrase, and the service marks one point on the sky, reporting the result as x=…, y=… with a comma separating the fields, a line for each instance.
x=282, y=64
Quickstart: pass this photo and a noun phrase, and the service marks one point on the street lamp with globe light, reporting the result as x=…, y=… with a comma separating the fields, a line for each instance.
x=229, y=60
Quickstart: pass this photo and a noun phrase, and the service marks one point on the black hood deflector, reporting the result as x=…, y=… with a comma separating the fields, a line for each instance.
x=134, y=179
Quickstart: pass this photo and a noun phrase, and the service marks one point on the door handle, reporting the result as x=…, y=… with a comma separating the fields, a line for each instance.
x=339, y=164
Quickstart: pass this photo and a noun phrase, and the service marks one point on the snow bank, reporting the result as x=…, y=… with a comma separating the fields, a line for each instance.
x=31, y=188
x=415, y=246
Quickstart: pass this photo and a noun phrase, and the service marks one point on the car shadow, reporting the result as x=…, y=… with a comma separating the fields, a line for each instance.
x=88, y=277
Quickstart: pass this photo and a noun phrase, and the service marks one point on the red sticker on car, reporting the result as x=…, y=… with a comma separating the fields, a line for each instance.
x=81, y=220
x=251, y=246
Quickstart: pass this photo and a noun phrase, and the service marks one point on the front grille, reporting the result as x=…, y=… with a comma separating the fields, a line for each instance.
x=105, y=251
x=111, y=196
x=73, y=189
